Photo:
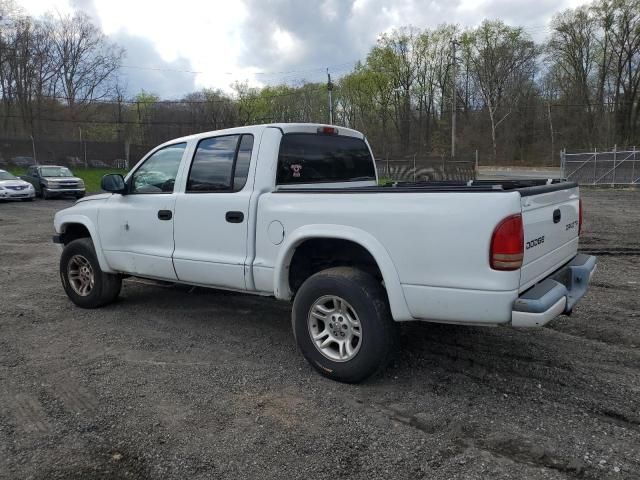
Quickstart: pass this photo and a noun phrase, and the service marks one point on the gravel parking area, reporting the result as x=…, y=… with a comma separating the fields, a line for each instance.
x=175, y=383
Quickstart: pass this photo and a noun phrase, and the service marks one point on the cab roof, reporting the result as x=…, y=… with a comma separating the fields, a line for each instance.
x=255, y=129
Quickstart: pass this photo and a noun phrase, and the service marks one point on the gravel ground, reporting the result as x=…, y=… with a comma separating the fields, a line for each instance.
x=175, y=383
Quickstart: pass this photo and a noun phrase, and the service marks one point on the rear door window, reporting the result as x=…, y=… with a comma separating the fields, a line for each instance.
x=212, y=165
x=316, y=158
x=220, y=164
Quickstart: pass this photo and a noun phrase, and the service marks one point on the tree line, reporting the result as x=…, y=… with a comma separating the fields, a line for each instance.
x=514, y=99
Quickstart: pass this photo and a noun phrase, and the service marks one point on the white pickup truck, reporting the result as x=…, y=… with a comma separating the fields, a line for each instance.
x=295, y=211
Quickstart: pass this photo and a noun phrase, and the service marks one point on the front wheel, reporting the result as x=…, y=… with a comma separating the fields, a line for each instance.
x=84, y=282
x=342, y=324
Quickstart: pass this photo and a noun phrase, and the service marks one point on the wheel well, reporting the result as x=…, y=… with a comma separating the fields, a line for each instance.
x=317, y=254
x=74, y=231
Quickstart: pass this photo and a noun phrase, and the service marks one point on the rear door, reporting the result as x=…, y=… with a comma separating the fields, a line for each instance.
x=550, y=232
x=212, y=216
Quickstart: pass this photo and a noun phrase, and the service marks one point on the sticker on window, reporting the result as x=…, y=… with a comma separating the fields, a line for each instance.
x=296, y=169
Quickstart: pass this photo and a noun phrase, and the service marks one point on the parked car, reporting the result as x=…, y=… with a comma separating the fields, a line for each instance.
x=54, y=181
x=295, y=211
x=11, y=187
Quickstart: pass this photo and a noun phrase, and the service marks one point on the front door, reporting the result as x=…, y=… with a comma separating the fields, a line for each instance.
x=212, y=215
x=136, y=230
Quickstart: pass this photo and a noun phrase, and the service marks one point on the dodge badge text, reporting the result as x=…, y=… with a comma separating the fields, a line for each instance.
x=535, y=241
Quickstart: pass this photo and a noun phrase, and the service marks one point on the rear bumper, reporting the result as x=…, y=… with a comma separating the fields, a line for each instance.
x=555, y=295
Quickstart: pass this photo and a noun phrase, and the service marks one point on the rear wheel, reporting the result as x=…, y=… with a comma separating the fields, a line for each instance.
x=84, y=282
x=342, y=324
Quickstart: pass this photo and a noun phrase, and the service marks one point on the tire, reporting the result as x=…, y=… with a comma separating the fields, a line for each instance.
x=45, y=194
x=80, y=256
x=27, y=199
x=366, y=300
x=79, y=196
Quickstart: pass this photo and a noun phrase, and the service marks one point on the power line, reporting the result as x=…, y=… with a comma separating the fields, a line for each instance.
x=7, y=47
x=265, y=73
x=107, y=122
x=252, y=98
x=160, y=69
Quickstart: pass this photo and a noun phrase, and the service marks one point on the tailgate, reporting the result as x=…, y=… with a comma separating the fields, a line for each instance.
x=550, y=222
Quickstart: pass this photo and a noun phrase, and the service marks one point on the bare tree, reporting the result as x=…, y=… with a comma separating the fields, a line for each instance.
x=625, y=67
x=502, y=59
x=87, y=59
x=573, y=52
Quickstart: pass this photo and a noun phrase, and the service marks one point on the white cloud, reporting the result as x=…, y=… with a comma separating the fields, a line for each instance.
x=39, y=7
x=229, y=40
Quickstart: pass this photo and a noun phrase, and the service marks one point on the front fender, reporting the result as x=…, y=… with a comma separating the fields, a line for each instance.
x=63, y=219
x=397, y=302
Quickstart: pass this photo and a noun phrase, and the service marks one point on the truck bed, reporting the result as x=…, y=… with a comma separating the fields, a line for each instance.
x=526, y=187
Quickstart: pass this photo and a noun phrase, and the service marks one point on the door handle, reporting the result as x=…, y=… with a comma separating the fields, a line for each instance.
x=234, y=217
x=165, y=214
x=557, y=215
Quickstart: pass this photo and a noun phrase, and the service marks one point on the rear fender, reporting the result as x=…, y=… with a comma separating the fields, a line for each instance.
x=397, y=302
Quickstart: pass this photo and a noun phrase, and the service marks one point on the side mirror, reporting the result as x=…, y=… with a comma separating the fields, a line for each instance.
x=113, y=183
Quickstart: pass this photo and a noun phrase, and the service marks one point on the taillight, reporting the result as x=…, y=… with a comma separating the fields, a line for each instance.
x=327, y=130
x=579, y=216
x=507, y=244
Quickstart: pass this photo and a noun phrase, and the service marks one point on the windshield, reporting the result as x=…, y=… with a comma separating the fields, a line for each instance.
x=55, y=172
x=7, y=176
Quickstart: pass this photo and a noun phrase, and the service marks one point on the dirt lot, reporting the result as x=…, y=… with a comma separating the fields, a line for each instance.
x=174, y=383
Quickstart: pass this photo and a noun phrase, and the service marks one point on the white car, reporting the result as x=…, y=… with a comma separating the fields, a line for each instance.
x=11, y=187
x=295, y=211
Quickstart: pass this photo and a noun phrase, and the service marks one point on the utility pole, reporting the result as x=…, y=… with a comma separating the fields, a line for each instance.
x=330, y=89
x=33, y=146
x=83, y=147
x=454, y=44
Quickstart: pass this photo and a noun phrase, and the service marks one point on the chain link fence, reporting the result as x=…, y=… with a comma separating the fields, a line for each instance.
x=614, y=167
x=74, y=154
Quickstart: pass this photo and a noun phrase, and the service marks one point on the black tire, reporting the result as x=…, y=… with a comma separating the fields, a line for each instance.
x=368, y=299
x=79, y=195
x=45, y=195
x=27, y=199
x=106, y=287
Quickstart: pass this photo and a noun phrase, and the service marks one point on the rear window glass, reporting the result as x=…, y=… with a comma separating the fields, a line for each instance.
x=212, y=166
x=311, y=158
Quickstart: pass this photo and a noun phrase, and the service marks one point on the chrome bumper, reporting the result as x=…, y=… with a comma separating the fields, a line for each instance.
x=555, y=295
x=64, y=190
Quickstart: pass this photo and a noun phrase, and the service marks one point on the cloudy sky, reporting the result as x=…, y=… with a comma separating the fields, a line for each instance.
x=177, y=47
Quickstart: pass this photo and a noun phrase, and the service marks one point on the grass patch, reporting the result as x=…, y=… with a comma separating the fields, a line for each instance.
x=91, y=176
